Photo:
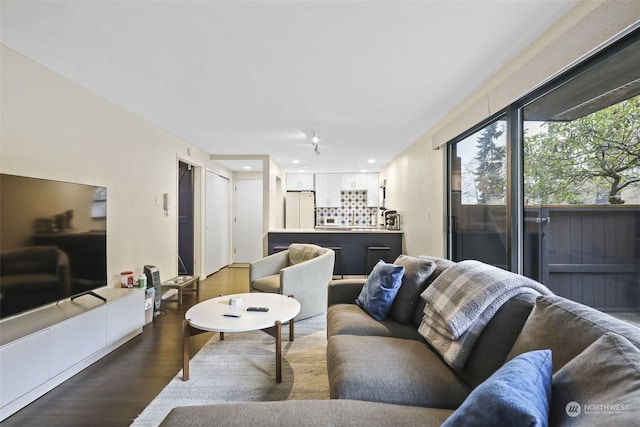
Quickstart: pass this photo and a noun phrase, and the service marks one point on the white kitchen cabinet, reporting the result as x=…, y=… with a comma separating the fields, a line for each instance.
x=300, y=182
x=373, y=196
x=328, y=190
x=353, y=181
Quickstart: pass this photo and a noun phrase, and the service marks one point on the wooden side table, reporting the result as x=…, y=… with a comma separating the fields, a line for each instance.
x=181, y=284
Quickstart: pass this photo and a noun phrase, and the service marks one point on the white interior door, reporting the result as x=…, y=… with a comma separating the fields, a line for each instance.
x=247, y=236
x=218, y=223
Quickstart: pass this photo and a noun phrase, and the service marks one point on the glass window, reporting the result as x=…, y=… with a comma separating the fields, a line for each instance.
x=478, y=196
x=572, y=209
x=582, y=205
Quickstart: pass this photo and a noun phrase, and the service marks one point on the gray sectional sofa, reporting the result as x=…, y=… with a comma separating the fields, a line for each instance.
x=386, y=373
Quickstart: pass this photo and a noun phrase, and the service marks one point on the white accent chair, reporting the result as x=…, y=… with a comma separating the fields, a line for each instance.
x=302, y=270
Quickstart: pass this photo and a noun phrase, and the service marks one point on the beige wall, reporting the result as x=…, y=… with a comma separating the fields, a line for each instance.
x=415, y=179
x=52, y=128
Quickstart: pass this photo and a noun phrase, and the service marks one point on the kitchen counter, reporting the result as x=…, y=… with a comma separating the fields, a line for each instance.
x=355, y=229
x=353, y=241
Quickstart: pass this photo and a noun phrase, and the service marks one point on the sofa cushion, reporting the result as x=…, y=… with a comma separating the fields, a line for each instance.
x=517, y=394
x=301, y=252
x=343, y=319
x=380, y=289
x=567, y=328
x=269, y=284
x=304, y=412
x=463, y=300
x=606, y=373
x=495, y=342
x=391, y=370
x=414, y=281
x=441, y=265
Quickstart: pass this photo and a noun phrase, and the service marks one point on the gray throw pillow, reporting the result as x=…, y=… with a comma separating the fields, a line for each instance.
x=600, y=386
x=567, y=328
x=414, y=281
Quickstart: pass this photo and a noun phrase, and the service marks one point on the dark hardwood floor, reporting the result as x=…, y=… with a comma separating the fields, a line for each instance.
x=116, y=389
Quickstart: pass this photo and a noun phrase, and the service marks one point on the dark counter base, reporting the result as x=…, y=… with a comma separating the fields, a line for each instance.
x=354, y=246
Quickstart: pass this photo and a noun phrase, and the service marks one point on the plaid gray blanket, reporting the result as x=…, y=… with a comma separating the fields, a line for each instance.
x=462, y=300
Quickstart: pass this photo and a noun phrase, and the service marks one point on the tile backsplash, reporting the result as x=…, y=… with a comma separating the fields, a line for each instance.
x=354, y=208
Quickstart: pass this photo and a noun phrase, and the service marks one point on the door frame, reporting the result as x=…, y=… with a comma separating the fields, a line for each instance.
x=229, y=214
x=198, y=217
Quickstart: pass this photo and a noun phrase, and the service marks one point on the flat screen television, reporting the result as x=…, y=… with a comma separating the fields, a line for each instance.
x=53, y=241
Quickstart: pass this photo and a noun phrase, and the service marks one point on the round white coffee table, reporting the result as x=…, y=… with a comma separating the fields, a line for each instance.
x=212, y=316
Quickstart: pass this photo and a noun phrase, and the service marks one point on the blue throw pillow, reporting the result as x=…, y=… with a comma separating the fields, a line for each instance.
x=517, y=394
x=380, y=289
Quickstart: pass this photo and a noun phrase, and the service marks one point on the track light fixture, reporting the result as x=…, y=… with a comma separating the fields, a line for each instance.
x=315, y=139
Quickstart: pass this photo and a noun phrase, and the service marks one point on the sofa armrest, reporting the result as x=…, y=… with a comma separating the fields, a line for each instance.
x=344, y=291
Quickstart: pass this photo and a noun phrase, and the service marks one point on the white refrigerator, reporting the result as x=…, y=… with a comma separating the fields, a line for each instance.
x=299, y=209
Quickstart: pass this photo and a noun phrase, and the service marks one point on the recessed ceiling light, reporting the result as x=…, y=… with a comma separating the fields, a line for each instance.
x=295, y=162
x=363, y=171
x=371, y=160
x=246, y=167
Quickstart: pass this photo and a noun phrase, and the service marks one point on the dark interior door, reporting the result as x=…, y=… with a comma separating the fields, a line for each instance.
x=185, y=219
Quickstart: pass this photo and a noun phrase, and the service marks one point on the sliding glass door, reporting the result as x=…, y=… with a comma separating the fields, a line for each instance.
x=558, y=179
x=582, y=205
x=478, y=196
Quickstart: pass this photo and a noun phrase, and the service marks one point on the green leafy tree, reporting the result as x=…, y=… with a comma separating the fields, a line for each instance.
x=490, y=172
x=573, y=159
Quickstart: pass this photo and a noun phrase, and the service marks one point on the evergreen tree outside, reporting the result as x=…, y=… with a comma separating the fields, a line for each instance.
x=490, y=171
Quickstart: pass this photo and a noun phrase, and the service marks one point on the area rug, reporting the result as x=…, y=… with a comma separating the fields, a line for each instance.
x=242, y=369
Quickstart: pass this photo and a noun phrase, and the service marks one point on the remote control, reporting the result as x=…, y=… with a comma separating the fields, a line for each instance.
x=257, y=308
x=231, y=315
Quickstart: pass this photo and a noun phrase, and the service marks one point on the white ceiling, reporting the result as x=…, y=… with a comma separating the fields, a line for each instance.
x=259, y=77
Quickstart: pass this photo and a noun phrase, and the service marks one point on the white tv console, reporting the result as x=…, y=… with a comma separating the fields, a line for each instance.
x=43, y=348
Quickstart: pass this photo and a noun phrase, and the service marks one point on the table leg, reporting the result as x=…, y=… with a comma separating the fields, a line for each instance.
x=186, y=332
x=291, y=330
x=278, y=351
x=290, y=324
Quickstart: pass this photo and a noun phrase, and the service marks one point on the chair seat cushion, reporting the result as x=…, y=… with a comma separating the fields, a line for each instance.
x=268, y=284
